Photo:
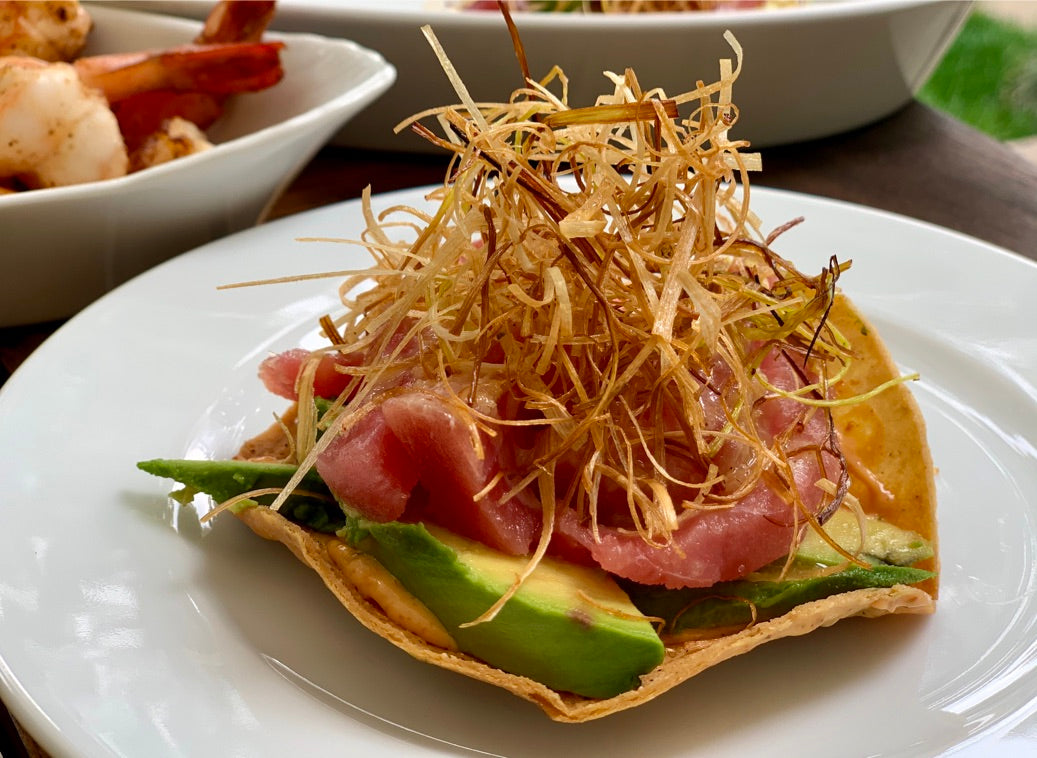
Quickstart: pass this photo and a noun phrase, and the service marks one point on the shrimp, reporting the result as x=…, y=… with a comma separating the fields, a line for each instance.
x=218, y=69
x=176, y=138
x=55, y=30
x=64, y=124
x=143, y=114
x=237, y=22
x=55, y=130
x=191, y=82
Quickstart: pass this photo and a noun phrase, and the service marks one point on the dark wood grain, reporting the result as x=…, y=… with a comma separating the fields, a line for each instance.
x=338, y=174
x=917, y=162
x=922, y=164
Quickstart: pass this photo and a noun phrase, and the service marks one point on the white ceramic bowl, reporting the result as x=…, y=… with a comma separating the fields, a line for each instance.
x=809, y=71
x=62, y=248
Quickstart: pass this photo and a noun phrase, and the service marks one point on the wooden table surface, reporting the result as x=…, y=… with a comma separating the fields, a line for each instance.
x=916, y=162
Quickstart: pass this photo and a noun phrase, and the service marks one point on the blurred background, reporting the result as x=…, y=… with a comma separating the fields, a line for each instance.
x=988, y=77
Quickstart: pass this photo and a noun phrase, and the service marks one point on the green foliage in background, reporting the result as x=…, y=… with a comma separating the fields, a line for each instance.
x=988, y=78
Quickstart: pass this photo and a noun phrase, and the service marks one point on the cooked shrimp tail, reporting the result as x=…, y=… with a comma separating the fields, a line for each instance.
x=237, y=22
x=219, y=69
x=190, y=82
x=143, y=114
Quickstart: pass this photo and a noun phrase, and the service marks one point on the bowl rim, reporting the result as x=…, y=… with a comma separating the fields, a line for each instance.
x=390, y=13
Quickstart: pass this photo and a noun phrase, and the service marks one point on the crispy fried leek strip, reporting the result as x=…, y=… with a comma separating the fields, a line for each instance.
x=601, y=263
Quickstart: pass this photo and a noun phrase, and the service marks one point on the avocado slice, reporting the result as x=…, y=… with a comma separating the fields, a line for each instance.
x=777, y=589
x=732, y=604
x=569, y=627
x=223, y=480
x=883, y=542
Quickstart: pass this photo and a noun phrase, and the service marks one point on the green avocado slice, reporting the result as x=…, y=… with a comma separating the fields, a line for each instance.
x=223, y=480
x=731, y=604
x=883, y=542
x=569, y=627
x=888, y=549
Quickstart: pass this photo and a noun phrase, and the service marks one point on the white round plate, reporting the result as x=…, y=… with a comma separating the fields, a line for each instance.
x=128, y=629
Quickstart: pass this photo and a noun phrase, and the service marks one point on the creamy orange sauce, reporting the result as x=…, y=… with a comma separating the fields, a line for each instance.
x=376, y=584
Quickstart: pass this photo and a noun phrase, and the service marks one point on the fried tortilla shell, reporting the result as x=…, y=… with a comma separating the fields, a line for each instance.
x=889, y=459
x=884, y=439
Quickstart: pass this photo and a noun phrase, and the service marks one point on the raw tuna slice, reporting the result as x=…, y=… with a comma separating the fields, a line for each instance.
x=369, y=469
x=723, y=544
x=709, y=546
x=280, y=372
x=453, y=473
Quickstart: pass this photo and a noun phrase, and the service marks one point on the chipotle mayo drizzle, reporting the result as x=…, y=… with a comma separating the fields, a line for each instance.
x=375, y=583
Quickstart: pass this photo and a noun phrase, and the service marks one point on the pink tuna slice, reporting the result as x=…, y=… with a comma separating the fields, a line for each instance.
x=369, y=469
x=711, y=546
x=452, y=473
x=413, y=439
x=280, y=372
